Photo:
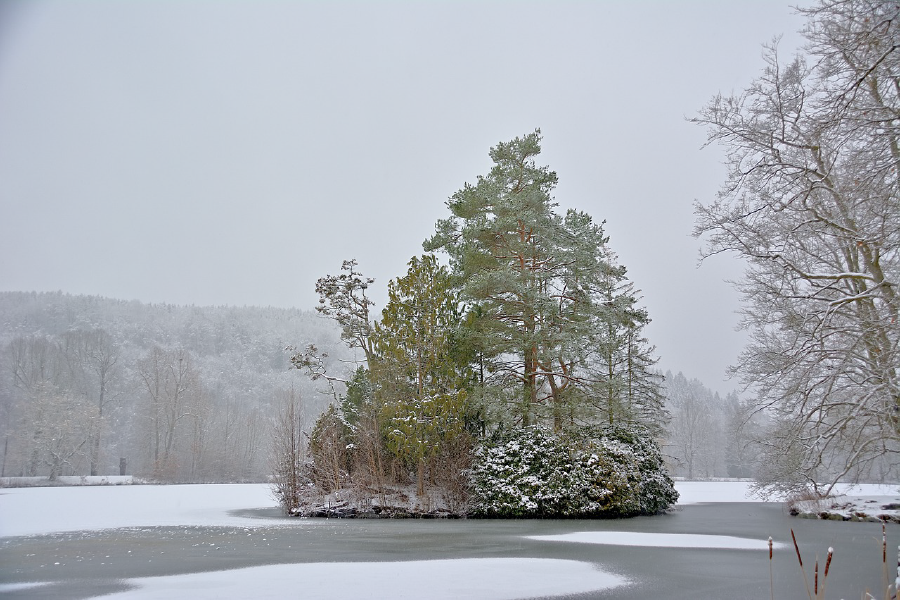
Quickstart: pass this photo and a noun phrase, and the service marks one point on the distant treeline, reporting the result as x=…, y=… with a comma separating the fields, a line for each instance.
x=183, y=393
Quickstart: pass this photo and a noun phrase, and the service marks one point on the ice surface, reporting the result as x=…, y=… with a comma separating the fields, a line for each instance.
x=695, y=492
x=33, y=511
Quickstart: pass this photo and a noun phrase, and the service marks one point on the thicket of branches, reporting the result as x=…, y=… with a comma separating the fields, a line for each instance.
x=811, y=204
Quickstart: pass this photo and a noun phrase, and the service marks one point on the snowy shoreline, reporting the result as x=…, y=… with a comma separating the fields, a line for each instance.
x=67, y=480
x=45, y=510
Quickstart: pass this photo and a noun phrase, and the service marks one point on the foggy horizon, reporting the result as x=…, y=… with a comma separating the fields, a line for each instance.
x=232, y=154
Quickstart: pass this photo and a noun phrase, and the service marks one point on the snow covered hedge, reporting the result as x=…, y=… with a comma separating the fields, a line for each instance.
x=586, y=472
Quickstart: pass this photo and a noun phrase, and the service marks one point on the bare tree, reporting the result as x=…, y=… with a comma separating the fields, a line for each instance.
x=173, y=386
x=92, y=358
x=288, y=451
x=811, y=203
x=55, y=425
x=695, y=430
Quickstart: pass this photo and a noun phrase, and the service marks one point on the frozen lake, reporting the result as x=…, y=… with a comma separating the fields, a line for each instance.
x=229, y=541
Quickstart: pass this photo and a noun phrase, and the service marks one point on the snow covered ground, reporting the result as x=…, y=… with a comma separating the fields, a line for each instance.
x=35, y=511
x=872, y=500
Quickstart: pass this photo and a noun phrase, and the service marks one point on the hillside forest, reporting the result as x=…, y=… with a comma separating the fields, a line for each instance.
x=182, y=393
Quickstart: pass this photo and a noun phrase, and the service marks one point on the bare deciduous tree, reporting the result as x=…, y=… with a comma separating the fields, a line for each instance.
x=695, y=440
x=92, y=358
x=173, y=386
x=55, y=424
x=288, y=451
x=811, y=203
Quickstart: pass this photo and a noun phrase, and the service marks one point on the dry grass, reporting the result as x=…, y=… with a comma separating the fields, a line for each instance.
x=806, y=502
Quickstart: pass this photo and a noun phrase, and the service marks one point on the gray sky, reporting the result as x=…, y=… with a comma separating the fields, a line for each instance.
x=233, y=152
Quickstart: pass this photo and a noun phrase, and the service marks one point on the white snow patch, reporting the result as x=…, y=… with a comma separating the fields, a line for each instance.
x=659, y=540
x=695, y=492
x=67, y=480
x=473, y=579
x=36, y=511
x=15, y=587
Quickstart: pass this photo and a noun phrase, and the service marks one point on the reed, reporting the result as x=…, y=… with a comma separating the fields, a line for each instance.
x=800, y=560
x=821, y=593
x=884, y=567
x=817, y=592
x=772, y=577
x=897, y=581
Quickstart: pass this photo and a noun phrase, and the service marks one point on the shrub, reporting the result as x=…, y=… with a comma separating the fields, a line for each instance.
x=588, y=472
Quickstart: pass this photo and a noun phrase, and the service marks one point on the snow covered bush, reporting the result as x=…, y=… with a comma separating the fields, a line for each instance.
x=586, y=472
x=656, y=490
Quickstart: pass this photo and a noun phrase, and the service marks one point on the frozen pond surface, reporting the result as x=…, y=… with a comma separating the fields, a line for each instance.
x=230, y=542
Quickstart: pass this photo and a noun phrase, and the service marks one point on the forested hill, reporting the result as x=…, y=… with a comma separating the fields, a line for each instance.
x=182, y=392
x=204, y=330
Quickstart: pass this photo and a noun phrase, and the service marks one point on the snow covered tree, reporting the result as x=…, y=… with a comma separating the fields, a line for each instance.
x=57, y=423
x=92, y=358
x=811, y=204
x=343, y=298
x=174, y=390
x=742, y=435
x=695, y=434
x=500, y=239
x=626, y=389
x=607, y=471
x=553, y=314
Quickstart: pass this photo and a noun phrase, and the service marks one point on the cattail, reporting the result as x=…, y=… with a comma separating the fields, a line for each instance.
x=797, y=548
x=800, y=560
x=884, y=567
x=825, y=573
x=772, y=578
x=816, y=578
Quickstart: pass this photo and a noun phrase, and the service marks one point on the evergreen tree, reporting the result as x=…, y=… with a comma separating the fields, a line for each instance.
x=554, y=312
x=420, y=383
x=500, y=239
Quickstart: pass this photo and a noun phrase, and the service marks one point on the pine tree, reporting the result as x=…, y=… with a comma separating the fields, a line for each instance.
x=554, y=312
x=499, y=241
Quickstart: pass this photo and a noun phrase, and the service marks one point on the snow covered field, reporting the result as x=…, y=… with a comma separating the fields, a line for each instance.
x=35, y=511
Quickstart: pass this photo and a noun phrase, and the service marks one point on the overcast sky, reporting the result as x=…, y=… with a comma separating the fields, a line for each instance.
x=201, y=152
